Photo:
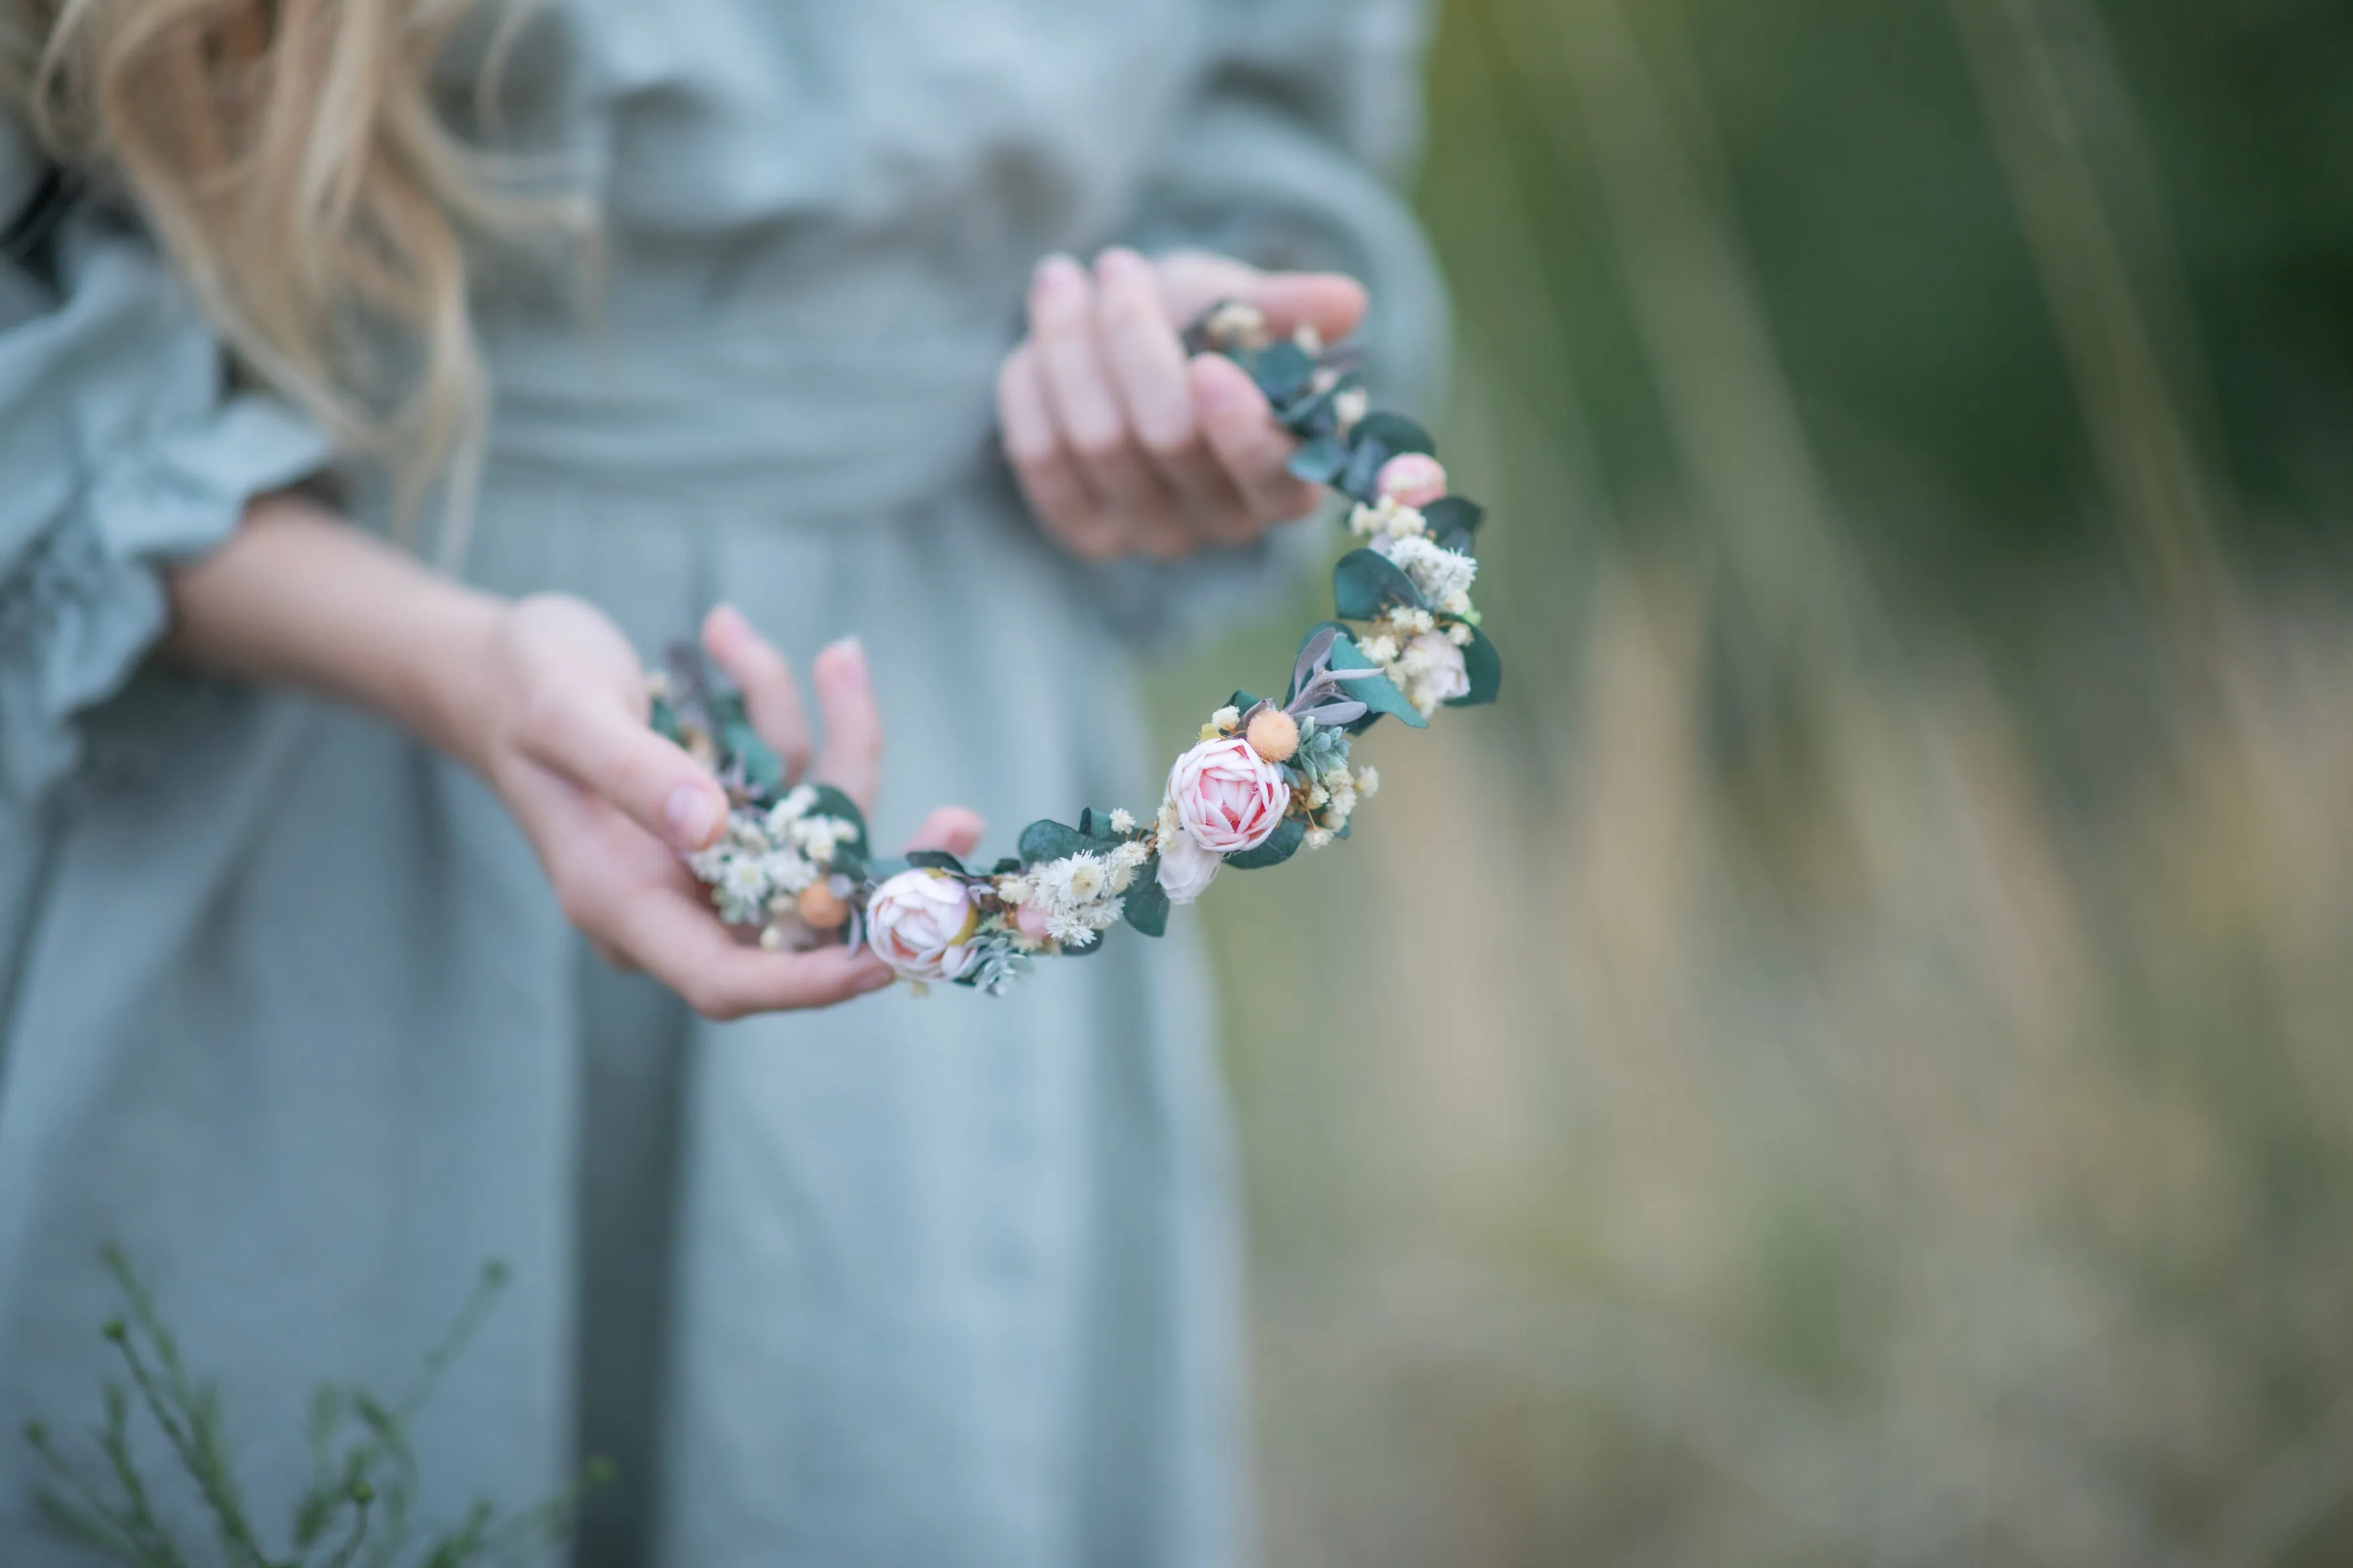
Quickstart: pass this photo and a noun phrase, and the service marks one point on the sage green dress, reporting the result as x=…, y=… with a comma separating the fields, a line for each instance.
x=288, y=1010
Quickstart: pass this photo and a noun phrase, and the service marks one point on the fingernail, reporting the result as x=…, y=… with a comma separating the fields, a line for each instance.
x=1116, y=260
x=692, y=816
x=851, y=654
x=1058, y=269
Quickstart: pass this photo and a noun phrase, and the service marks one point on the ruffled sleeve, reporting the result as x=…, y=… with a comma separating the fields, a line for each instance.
x=122, y=449
x=1307, y=116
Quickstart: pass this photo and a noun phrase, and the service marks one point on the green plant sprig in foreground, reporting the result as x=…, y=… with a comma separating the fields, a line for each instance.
x=355, y=1511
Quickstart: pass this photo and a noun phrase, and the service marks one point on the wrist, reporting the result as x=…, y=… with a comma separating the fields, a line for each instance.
x=449, y=695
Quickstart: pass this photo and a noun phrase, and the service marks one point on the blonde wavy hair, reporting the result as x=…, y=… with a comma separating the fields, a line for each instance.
x=291, y=156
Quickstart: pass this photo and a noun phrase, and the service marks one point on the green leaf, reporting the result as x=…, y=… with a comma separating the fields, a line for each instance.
x=832, y=802
x=1454, y=520
x=763, y=769
x=936, y=860
x=1484, y=665
x=1147, y=905
x=1319, y=461
x=1283, y=371
x=1280, y=846
x=1376, y=691
x=1365, y=583
x=1376, y=438
x=1242, y=702
x=1394, y=431
x=1047, y=840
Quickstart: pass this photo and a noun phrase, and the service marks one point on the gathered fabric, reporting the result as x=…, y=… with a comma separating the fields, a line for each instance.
x=286, y=1010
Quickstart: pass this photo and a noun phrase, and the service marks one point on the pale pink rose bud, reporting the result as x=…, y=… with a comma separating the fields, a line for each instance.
x=1228, y=796
x=1185, y=868
x=1411, y=479
x=918, y=922
x=1030, y=921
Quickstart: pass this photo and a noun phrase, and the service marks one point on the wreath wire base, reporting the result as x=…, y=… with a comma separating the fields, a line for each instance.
x=1264, y=779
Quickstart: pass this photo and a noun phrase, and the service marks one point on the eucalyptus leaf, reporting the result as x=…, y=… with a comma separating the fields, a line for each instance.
x=762, y=767
x=1365, y=583
x=1283, y=371
x=1047, y=840
x=833, y=802
x=1280, y=846
x=1453, y=521
x=1147, y=904
x=935, y=859
x=1377, y=692
x=1320, y=460
x=1484, y=665
x=1394, y=431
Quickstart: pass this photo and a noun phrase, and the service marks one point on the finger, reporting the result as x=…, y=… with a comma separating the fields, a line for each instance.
x=610, y=752
x=1331, y=302
x=1140, y=348
x=1033, y=445
x=1087, y=413
x=771, y=696
x=851, y=758
x=1147, y=365
x=1250, y=446
x=950, y=827
x=673, y=936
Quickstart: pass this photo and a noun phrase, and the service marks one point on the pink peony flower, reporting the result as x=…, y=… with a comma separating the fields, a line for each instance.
x=1411, y=479
x=1186, y=867
x=918, y=922
x=1228, y=796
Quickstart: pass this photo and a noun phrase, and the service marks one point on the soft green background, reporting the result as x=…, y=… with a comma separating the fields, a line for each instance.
x=1852, y=1062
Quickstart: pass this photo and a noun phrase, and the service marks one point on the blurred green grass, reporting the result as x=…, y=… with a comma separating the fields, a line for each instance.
x=1852, y=1061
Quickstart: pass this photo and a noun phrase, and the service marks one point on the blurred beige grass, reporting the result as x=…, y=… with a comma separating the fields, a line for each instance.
x=1812, y=1077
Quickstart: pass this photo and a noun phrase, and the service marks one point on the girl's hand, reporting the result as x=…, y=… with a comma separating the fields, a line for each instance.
x=609, y=805
x=1121, y=445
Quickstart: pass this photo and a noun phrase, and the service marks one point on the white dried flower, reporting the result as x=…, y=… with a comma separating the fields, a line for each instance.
x=1350, y=407
x=1317, y=837
x=786, y=870
x=1122, y=820
x=1458, y=634
x=1226, y=718
x=1369, y=782
x=1438, y=572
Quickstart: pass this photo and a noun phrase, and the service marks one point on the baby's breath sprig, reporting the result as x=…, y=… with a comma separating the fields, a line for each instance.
x=1263, y=779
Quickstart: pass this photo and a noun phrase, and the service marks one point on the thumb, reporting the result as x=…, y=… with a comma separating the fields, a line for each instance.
x=1331, y=302
x=950, y=827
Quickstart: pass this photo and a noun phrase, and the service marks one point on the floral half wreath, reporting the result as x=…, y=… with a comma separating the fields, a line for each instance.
x=1265, y=779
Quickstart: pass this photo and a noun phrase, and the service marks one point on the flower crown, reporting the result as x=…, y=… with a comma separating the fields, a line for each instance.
x=1264, y=780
